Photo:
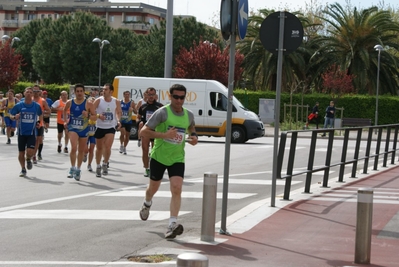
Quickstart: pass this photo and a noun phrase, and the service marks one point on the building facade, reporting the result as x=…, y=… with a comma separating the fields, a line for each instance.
x=137, y=17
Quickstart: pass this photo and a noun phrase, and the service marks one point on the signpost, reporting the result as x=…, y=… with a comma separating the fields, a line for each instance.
x=280, y=33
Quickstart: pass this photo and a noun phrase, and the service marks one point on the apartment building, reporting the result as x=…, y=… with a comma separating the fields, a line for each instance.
x=138, y=17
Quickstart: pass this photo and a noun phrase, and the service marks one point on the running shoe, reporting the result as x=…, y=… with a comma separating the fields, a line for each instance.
x=76, y=175
x=139, y=142
x=121, y=149
x=8, y=141
x=145, y=212
x=34, y=160
x=71, y=172
x=85, y=158
x=105, y=169
x=89, y=168
x=59, y=149
x=29, y=164
x=22, y=173
x=39, y=157
x=65, y=150
x=98, y=172
x=12, y=133
x=46, y=130
x=147, y=172
x=173, y=230
x=124, y=151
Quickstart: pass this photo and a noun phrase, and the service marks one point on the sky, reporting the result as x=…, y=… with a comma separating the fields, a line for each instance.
x=208, y=11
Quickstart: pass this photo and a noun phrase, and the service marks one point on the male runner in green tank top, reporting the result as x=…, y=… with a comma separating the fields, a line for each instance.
x=168, y=126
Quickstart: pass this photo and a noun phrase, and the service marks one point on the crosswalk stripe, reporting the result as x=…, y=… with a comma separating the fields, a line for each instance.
x=131, y=193
x=117, y=215
x=249, y=181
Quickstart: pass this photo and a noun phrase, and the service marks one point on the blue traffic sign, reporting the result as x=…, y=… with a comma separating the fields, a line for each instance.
x=242, y=22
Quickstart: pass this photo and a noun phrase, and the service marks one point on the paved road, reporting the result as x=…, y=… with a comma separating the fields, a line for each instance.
x=47, y=218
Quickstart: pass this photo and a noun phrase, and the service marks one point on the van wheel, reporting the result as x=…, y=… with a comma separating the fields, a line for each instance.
x=237, y=134
x=134, y=132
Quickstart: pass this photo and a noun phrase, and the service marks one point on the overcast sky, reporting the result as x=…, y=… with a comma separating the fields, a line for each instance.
x=208, y=11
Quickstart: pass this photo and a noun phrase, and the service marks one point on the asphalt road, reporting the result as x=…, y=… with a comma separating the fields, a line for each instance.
x=48, y=219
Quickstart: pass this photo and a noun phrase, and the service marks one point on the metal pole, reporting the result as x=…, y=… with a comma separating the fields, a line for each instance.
x=363, y=225
x=223, y=229
x=209, y=207
x=169, y=40
x=99, y=69
x=192, y=260
x=378, y=83
x=277, y=108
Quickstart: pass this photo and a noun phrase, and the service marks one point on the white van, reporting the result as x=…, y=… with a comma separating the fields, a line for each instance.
x=207, y=99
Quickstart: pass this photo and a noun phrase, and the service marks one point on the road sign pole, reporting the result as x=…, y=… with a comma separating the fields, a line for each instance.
x=223, y=229
x=277, y=108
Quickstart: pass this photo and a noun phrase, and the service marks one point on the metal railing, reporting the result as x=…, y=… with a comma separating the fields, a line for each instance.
x=385, y=133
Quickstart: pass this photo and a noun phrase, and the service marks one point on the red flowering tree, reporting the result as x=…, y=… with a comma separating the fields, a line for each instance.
x=207, y=61
x=10, y=64
x=337, y=82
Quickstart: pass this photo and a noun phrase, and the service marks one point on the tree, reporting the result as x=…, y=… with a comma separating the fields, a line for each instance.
x=336, y=82
x=206, y=61
x=349, y=43
x=10, y=64
x=260, y=66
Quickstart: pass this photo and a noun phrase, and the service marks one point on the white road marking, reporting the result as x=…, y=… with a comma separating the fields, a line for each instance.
x=131, y=193
x=116, y=215
x=251, y=181
x=77, y=263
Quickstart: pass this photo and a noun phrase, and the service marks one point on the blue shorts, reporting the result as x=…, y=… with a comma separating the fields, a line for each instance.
x=91, y=140
x=9, y=122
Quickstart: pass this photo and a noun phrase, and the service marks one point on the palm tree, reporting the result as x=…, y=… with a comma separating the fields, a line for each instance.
x=260, y=66
x=349, y=42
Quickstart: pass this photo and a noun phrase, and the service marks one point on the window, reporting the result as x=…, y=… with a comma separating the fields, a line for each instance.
x=151, y=21
x=111, y=18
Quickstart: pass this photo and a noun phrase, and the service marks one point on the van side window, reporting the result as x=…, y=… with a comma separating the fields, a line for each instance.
x=218, y=101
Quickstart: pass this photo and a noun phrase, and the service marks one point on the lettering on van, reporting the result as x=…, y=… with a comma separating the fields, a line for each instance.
x=163, y=95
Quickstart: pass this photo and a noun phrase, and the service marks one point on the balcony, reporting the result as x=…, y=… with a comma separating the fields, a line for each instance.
x=10, y=23
x=136, y=26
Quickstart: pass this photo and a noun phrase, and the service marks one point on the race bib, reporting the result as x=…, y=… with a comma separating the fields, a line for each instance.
x=148, y=115
x=108, y=116
x=125, y=114
x=27, y=117
x=179, y=138
x=77, y=123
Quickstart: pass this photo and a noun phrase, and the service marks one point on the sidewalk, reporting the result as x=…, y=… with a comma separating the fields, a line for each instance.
x=316, y=229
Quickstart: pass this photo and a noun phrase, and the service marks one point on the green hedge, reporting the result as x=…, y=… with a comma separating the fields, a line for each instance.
x=355, y=106
x=53, y=90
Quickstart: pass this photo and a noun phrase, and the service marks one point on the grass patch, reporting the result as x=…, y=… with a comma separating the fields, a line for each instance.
x=150, y=258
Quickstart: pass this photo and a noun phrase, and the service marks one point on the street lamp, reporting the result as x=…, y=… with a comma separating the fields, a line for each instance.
x=378, y=48
x=101, y=44
x=5, y=38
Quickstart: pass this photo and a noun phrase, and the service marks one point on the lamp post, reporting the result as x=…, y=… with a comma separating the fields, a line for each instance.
x=378, y=48
x=5, y=38
x=101, y=44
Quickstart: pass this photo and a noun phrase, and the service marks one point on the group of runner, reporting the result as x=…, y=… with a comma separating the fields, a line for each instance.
x=82, y=118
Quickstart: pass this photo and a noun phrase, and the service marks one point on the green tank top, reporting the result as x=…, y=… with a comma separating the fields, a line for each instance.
x=171, y=151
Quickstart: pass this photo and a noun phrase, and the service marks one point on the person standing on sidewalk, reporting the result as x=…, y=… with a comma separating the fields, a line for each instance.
x=168, y=126
x=78, y=130
x=145, y=112
x=127, y=107
x=58, y=106
x=8, y=104
x=109, y=112
x=329, y=118
x=27, y=113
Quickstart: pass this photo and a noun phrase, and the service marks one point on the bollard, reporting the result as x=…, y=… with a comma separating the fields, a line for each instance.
x=191, y=260
x=209, y=207
x=364, y=225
